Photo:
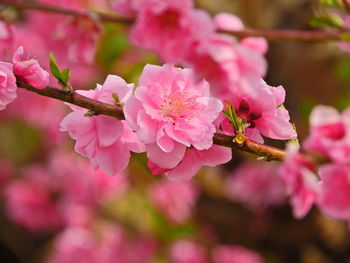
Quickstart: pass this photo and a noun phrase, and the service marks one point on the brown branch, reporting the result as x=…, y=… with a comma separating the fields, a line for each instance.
x=288, y=35
x=117, y=111
x=270, y=34
x=74, y=98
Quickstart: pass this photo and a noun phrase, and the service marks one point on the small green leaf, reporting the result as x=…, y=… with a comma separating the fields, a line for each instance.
x=333, y=21
x=345, y=37
x=54, y=68
x=116, y=98
x=65, y=74
x=332, y=3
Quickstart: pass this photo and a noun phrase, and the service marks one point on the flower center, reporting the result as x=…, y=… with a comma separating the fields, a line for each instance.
x=244, y=112
x=179, y=105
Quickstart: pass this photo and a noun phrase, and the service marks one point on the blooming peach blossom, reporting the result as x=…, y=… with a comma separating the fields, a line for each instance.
x=170, y=112
x=105, y=140
x=257, y=185
x=169, y=27
x=259, y=104
x=235, y=254
x=334, y=198
x=8, y=85
x=193, y=161
x=29, y=70
x=329, y=133
x=187, y=251
x=174, y=199
x=301, y=182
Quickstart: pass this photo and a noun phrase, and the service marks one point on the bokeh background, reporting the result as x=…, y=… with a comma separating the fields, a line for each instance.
x=55, y=208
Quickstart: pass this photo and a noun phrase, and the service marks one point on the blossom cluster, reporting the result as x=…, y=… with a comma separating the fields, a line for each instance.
x=326, y=185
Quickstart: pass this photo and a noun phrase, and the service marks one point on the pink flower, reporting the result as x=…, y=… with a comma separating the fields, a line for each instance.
x=29, y=70
x=259, y=104
x=257, y=185
x=301, y=182
x=75, y=244
x=193, y=161
x=6, y=35
x=225, y=63
x=8, y=85
x=105, y=140
x=174, y=199
x=82, y=34
x=30, y=202
x=186, y=251
x=229, y=22
x=235, y=254
x=171, y=112
x=329, y=134
x=334, y=198
x=126, y=7
x=169, y=27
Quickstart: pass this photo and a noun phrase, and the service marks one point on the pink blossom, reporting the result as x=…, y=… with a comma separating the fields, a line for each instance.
x=105, y=140
x=30, y=202
x=29, y=70
x=82, y=34
x=225, y=63
x=193, y=160
x=8, y=85
x=75, y=244
x=174, y=199
x=257, y=185
x=170, y=112
x=169, y=27
x=229, y=22
x=334, y=198
x=235, y=254
x=329, y=133
x=187, y=251
x=259, y=104
x=302, y=185
x=6, y=35
x=126, y=7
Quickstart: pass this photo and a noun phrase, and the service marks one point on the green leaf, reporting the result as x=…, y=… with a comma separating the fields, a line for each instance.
x=54, y=68
x=332, y=3
x=345, y=37
x=65, y=74
x=333, y=21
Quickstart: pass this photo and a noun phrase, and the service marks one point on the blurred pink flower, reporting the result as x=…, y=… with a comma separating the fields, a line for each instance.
x=81, y=33
x=193, y=160
x=259, y=104
x=30, y=202
x=75, y=244
x=257, y=185
x=329, y=133
x=105, y=140
x=29, y=70
x=174, y=199
x=126, y=7
x=334, y=198
x=170, y=112
x=8, y=87
x=229, y=22
x=169, y=27
x=6, y=36
x=302, y=184
x=187, y=251
x=235, y=254
x=225, y=63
